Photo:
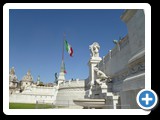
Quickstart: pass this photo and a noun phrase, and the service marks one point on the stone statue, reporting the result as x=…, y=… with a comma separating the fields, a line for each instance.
x=94, y=49
x=56, y=76
x=101, y=77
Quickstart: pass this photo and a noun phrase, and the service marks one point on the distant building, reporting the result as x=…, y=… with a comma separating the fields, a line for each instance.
x=26, y=91
x=13, y=80
x=27, y=80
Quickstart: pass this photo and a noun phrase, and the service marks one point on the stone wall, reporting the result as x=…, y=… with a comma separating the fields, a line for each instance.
x=31, y=98
x=135, y=21
x=117, y=60
x=35, y=93
x=69, y=91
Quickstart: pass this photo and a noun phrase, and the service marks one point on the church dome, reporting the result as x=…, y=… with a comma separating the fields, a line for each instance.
x=28, y=77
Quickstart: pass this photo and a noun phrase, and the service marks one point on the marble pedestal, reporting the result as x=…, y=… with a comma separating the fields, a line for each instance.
x=101, y=92
x=94, y=61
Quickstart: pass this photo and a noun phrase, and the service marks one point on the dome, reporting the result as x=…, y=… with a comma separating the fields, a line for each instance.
x=28, y=77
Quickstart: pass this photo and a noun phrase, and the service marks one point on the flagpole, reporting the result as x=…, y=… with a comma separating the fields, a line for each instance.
x=63, y=65
x=64, y=35
x=61, y=77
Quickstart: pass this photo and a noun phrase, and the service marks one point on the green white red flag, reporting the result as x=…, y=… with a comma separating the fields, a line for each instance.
x=68, y=48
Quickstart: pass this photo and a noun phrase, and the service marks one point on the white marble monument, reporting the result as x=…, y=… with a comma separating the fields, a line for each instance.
x=97, y=95
x=98, y=79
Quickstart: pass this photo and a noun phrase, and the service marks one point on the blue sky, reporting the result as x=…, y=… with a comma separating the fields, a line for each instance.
x=36, y=36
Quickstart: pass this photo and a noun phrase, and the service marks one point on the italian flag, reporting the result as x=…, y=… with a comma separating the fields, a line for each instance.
x=68, y=48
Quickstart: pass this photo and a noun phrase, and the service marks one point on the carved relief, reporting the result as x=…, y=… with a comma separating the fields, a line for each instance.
x=130, y=71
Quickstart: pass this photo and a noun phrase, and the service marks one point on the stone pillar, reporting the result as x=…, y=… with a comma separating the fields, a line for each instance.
x=61, y=77
x=92, y=63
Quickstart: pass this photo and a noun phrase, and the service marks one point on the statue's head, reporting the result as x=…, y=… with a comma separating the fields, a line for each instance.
x=95, y=69
x=96, y=45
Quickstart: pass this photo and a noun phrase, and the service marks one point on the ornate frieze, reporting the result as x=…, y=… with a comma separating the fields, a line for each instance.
x=137, y=68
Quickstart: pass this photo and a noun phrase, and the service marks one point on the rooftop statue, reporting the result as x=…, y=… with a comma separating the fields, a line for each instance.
x=56, y=76
x=38, y=79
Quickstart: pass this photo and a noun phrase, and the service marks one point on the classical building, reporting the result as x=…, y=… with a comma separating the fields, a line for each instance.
x=27, y=80
x=30, y=92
